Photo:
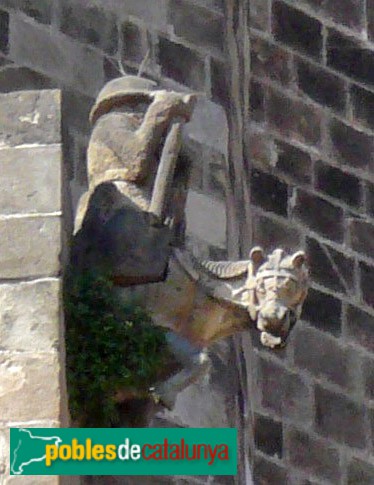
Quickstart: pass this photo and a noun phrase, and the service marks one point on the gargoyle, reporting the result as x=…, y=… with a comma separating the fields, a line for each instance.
x=212, y=300
x=121, y=229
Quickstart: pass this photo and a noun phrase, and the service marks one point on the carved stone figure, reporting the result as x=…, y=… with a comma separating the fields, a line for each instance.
x=122, y=229
x=131, y=159
x=212, y=300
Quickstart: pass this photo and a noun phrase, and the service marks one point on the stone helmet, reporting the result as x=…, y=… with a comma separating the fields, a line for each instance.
x=117, y=91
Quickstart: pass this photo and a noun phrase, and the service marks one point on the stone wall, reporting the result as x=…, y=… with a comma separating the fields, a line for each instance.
x=307, y=168
x=32, y=377
x=310, y=144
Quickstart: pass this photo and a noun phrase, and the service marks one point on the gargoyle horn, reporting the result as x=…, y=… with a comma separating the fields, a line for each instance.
x=225, y=269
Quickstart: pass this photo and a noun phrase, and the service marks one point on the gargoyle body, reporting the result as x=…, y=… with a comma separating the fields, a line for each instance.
x=212, y=300
x=121, y=228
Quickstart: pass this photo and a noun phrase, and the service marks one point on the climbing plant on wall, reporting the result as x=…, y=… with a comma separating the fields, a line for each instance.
x=111, y=344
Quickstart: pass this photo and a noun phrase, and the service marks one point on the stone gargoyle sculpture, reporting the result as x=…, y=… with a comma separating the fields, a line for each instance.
x=123, y=226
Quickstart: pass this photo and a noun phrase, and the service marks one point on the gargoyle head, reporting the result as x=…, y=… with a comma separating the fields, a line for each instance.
x=280, y=290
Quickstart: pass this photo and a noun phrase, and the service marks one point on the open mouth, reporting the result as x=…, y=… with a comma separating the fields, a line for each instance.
x=274, y=333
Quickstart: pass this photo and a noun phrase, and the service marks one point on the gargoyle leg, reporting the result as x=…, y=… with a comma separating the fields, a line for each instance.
x=196, y=364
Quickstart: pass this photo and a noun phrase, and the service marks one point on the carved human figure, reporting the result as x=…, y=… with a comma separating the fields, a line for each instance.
x=121, y=228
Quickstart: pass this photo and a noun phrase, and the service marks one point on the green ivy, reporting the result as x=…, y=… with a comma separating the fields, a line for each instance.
x=110, y=345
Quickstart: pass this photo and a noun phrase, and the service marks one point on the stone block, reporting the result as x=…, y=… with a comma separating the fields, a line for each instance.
x=363, y=105
x=30, y=247
x=199, y=26
x=340, y=418
x=351, y=147
x=360, y=327
x=29, y=386
x=181, y=64
x=338, y=184
x=321, y=86
x=293, y=118
x=30, y=180
x=57, y=56
x=268, y=192
x=15, y=78
x=271, y=61
x=270, y=234
x=260, y=14
x=29, y=315
x=323, y=356
x=297, y=30
x=208, y=126
x=331, y=268
x=268, y=435
x=152, y=12
x=307, y=209
x=134, y=42
x=323, y=311
x=294, y=162
x=266, y=472
x=350, y=57
x=367, y=283
x=360, y=472
x=206, y=218
x=313, y=456
x=30, y=117
x=350, y=13
x=362, y=236
x=40, y=10
x=98, y=29
x=284, y=392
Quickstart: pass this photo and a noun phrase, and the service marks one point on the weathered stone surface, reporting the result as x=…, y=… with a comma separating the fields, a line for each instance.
x=206, y=218
x=294, y=162
x=307, y=209
x=98, y=28
x=360, y=327
x=198, y=26
x=153, y=12
x=313, y=456
x=30, y=386
x=270, y=61
x=30, y=117
x=362, y=236
x=56, y=55
x=119, y=237
x=322, y=86
x=360, y=472
x=181, y=64
x=268, y=473
x=269, y=192
x=367, y=283
x=293, y=118
x=323, y=356
x=298, y=30
x=29, y=247
x=29, y=315
x=16, y=78
x=268, y=435
x=338, y=184
x=40, y=10
x=4, y=31
x=284, y=392
x=349, y=56
x=323, y=311
x=30, y=180
x=331, y=268
x=340, y=418
x=351, y=147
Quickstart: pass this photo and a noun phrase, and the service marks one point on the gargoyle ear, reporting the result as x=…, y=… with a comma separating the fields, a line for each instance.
x=257, y=255
x=298, y=259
